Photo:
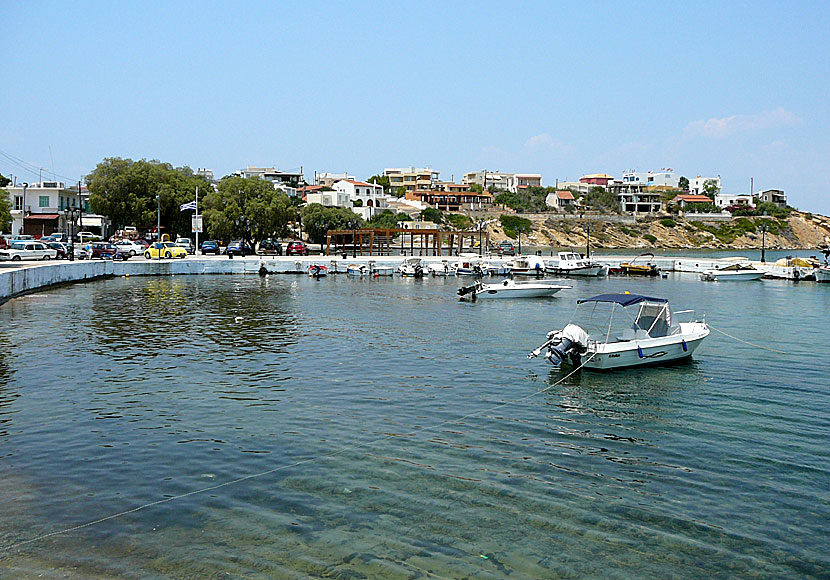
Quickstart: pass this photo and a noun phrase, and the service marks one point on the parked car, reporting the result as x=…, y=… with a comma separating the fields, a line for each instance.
x=296, y=248
x=210, y=247
x=187, y=244
x=239, y=248
x=143, y=243
x=270, y=247
x=61, y=249
x=507, y=249
x=84, y=236
x=28, y=250
x=103, y=250
x=164, y=250
x=129, y=247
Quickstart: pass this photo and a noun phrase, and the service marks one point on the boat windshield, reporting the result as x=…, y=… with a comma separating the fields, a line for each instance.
x=616, y=318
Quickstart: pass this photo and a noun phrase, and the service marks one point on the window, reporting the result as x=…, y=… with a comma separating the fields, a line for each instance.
x=18, y=203
x=43, y=201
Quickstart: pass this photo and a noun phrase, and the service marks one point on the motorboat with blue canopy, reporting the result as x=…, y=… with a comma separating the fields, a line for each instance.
x=623, y=330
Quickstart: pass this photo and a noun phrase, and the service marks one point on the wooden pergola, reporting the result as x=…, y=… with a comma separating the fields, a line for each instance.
x=378, y=241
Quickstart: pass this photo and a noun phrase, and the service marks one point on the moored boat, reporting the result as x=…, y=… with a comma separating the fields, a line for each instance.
x=573, y=264
x=527, y=266
x=642, y=268
x=357, y=270
x=648, y=334
x=377, y=271
x=510, y=289
x=442, y=268
x=739, y=272
x=823, y=274
x=317, y=270
x=411, y=267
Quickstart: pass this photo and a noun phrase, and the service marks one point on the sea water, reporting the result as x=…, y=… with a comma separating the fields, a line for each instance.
x=285, y=427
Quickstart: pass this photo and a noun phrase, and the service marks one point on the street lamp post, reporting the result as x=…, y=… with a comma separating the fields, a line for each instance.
x=73, y=214
x=764, y=228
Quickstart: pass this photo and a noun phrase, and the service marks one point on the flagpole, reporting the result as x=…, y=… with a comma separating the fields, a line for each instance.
x=197, y=220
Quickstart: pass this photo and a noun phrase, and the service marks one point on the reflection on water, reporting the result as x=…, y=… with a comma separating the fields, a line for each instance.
x=397, y=435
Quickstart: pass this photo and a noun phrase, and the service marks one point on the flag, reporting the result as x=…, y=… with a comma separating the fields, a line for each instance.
x=187, y=206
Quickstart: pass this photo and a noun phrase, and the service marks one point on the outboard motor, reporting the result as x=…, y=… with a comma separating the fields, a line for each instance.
x=568, y=343
x=465, y=290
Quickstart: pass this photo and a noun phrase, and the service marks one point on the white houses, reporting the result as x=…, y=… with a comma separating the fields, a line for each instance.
x=370, y=196
x=37, y=208
x=724, y=200
x=696, y=184
x=664, y=178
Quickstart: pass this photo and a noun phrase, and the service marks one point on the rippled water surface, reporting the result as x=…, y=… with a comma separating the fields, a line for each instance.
x=291, y=428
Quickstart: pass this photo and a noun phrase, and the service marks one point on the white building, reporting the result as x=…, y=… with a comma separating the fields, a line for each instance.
x=662, y=178
x=723, y=200
x=411, y=178
x=370, y=196
x=523, y=181
x=329, y=198
x=329, y=179
x=487, y=179
x=37, y=209
x=696, y=185
x=203, y=172
x=271, y=174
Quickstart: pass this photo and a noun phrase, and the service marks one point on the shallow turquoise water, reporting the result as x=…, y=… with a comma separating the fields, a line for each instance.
x=404, y=434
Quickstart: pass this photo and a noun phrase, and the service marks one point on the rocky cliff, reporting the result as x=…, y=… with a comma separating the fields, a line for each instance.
x=797, y=231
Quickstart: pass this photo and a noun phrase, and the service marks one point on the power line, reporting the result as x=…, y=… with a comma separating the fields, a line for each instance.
x=32, y=168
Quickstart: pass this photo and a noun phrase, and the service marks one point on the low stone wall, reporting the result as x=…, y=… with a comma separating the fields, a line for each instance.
x=17, y=281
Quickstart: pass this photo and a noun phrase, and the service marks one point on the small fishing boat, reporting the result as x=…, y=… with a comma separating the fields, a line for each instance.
x=573, y=264
x=510, y=289
x=823, y=272
x=527, y=266
x=469, y=265
x=642, y=268
x=378, y=271
x=318, y=271
x=497, y=269
x=647, y=334
x=411, y=267
x=357, y=270
x=739, y=272
x=440, y=269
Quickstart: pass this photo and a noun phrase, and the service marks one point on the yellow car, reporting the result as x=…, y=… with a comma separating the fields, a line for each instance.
x=164, y=250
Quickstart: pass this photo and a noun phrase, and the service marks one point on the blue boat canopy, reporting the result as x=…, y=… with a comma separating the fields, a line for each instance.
x=622, y=299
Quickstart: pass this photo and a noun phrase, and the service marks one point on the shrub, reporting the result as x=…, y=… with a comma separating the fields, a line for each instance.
x=650, y=238
x=668, y=223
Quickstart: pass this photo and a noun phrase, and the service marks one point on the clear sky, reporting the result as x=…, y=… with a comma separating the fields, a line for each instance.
x=723, y=88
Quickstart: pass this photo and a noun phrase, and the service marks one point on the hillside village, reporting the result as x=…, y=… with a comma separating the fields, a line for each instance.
x=637, y=210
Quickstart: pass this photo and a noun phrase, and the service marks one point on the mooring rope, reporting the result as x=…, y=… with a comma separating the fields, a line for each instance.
x=289, y=466
x=747, y=342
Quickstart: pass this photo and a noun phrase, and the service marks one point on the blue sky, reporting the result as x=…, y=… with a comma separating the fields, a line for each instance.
x=562, y=89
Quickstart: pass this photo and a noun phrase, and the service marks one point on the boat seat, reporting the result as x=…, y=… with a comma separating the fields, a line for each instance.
x=632, y=334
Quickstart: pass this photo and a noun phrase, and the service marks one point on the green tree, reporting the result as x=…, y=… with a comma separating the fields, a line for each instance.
x=602, y=200
x=432, y=214
x=400, y=192
x=460, y=221
x=382, y=180
x=318, y=219
x=125, y=191
x=267, y=211
x=683, y=184
x=5, y=211
x=4, y=181
x=477, y=188
x=710, y=188
x=514, y=225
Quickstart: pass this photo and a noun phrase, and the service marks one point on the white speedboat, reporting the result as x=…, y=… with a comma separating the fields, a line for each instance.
x=510, y=289
x=573, y=264
x=647, y=334
x=469, y=265
x=739, y=272
x=442, y=268
x=377, y=271
x=527, y=266
x=411, y=267
x=357, y=270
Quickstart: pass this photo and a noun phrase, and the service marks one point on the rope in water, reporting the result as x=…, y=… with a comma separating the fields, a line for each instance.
x=282, y=467
x=747, y=342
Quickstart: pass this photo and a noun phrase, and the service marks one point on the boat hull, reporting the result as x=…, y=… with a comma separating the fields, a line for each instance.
x=527, y=290
x=731, y=276
x=585, y=271
x=822, y=274
x=647, y=352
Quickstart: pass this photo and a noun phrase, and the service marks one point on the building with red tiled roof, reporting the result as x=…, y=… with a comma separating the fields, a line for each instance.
x=451, y=201
x=684, y=199
x=560, y=199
